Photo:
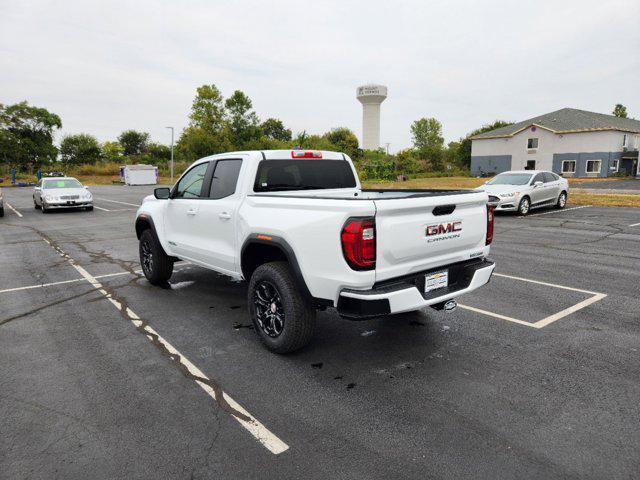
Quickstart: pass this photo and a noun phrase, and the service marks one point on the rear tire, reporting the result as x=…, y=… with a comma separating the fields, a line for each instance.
x=156, y=264
x=562, y=200
x=524, y=206
x=283, y=319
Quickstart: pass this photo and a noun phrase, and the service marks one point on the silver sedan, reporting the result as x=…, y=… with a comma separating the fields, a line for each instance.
x=521, y=191
x=61, y=192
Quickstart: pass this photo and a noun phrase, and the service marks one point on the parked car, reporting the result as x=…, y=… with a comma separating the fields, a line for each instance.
x=298, y=227
x=1, y=203
x=521, y=191
x=61, y=192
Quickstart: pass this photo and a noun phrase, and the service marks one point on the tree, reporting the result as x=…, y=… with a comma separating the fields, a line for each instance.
x=427, y=133
x=112, y=151
x=463, y=155
x=133, y=142
x=243, y=121
x=274, y=129
x=79, y=149
x=196, y=142
x=406, y=162
x=208, y=110
x=159, y=152
x=26, y=134
x=344, y=140
x=620, y=110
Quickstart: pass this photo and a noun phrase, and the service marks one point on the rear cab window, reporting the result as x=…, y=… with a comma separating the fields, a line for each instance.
x=225, y=178
x=303, y=174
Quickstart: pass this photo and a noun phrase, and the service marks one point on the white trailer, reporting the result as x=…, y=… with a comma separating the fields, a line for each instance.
x=139, y=174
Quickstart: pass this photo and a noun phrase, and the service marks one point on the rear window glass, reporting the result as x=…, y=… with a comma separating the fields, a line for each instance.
x=303, y=174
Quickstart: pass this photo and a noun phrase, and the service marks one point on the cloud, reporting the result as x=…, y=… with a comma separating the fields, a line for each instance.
x=110, y=66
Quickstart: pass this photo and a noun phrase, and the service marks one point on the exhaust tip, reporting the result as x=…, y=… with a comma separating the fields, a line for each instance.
x=450, y=306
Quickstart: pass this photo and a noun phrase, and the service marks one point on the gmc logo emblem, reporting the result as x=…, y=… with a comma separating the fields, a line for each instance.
x=442, y=228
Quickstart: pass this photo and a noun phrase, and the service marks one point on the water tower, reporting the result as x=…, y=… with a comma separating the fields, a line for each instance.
x=371, y=96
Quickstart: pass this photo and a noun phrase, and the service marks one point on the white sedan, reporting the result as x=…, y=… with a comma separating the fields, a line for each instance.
x=521, y=191
x=61, y=192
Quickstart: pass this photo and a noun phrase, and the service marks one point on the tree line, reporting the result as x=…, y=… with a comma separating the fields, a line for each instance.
x=220, y=125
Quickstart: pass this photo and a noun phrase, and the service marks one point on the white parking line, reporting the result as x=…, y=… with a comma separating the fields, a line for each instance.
x=596, y=296
x=42, y=285
x=100, y=208
x=555, y=285
x=116, y=201
x=634, y=224
x=556, y=211
x=270, y=441
x=14, y=210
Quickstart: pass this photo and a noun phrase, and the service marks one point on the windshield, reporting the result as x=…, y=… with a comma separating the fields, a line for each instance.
x=510, y=179
x=303, y=174
x=65, y=183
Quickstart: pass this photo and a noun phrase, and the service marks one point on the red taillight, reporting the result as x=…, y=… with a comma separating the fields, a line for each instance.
x=359, y=243
x=305, y=154
x=490, y=217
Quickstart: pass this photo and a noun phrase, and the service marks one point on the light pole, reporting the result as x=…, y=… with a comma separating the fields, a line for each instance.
x=171, y=162
x=387, y=144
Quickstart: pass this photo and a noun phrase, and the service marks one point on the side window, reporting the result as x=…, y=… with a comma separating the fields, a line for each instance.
x=548, y=177
x=225, y=178
x=190, y=185
x=538, y=178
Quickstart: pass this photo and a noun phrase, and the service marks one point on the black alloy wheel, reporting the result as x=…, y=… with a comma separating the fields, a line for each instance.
x=269, y=309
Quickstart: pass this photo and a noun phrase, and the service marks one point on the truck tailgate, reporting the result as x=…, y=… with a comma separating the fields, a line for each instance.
x=421, y=233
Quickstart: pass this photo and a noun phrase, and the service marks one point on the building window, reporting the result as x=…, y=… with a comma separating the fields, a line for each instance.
x=532, y=143
x=624, y=140
x=593, y=166
x=531, y=165
x=569, y=166
x=615, y=164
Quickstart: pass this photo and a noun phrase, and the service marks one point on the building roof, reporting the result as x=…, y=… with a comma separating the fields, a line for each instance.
x=567, y=120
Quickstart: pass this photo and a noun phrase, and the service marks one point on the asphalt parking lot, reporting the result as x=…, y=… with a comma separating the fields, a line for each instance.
x=537, y=375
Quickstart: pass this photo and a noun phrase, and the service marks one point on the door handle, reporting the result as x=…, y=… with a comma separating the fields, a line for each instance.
x=224, y=216
x=192, y=211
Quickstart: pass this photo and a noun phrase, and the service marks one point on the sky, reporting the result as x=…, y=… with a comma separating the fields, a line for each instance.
x=108, y=66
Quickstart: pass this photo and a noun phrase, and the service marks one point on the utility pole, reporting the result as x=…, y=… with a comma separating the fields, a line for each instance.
x=387, y=144
x=171, y=162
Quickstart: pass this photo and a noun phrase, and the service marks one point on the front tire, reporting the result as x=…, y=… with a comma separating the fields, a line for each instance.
x=1, y=211
x=44, y=209
x=524, y=206
x=90, y=209
x=283, y=319
x=562, y=200
x=156, y=264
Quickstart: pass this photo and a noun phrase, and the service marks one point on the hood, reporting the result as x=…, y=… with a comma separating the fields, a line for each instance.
x=498, y=189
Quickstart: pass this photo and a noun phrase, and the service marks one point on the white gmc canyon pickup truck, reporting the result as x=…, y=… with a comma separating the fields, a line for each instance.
x=299, y=228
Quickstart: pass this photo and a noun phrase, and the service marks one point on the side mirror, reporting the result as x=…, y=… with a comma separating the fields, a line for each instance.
x=37, y=189
x=85, y=187
x=537, y=184
x=162, y=193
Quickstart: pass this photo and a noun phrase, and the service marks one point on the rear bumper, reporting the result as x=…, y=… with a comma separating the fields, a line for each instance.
x=405, y=294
